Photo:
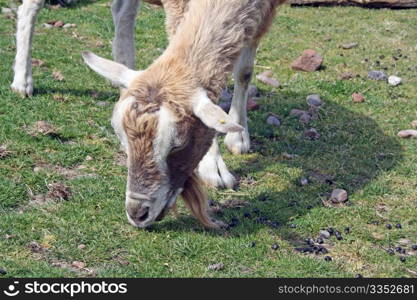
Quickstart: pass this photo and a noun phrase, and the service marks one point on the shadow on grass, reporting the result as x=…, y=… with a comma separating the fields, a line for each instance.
x=351, y=152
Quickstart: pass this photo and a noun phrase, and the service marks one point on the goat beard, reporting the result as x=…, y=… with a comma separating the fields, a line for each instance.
x=196, y=200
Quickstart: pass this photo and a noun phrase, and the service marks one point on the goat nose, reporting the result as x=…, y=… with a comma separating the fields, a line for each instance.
x=142, y=214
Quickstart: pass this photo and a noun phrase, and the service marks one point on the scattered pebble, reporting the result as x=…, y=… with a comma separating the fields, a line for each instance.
x=388, y=226
x=414, y=247
x=266, y=78
x=309, y=61
x=339, y=196
x=324, y=234
x=252, y=105
x=253, y=244
x=390, y=252
x=398, y=226
x=320, y=240
x=304, y=181
x=358, y=98
x=314, y=100
x=305, y=118
x=338, y=235
x=409, y=133
x=327, y=258
x=394, y=80
x=297, y=112
x=253, y=91
x=330, y=230
x=216, y=267
x=274, y=247
x=377, y=75
x=349, y=45
x=312, y=134
x=273, y=120
x=358, y=276
x=293, y=226
x=247, y=215
x=78, y=264
x=2, y=271
x=81, y=246
x=347, y=230
x=403, y=259
x=102, y=103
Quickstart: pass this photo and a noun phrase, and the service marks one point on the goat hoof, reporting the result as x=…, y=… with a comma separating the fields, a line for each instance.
x=24, y=89
x=214, y=173
x=237, y=142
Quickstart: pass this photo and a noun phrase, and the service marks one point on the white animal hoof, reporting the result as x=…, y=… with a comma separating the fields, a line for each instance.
x=238, y=142
x=214, y=173
x=23, y=89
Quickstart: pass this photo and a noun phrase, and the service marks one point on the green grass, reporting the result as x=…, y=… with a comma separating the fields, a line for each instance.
x=358, y=150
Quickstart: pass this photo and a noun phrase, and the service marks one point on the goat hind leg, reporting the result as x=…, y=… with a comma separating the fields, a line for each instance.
x=239, y=142
x=26, y=19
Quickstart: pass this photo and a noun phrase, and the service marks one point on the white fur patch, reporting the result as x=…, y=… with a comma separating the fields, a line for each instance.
x=117, y=120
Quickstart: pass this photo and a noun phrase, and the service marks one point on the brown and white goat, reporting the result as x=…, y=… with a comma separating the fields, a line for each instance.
x=167, y=118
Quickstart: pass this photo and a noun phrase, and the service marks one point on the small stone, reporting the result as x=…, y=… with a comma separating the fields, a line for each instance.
x=338, y=235
x=2, y=271
x=216, y=267
x=253, y=91
x=309, y=241
x=394, y=80
x=78, y=264
x=327, y=258
x=339, y=196
x=330, y=230
x=102, y=103
x=309, y=61
x=398, y=226
x=312, y=134
x=410, y=133
x=314, y=100
x=273, y=120
x=414, y=247
x=266, y=78
x=297, y=112
x=252, y=105
x=293, y=226
x=358, y=98
x=347, y=230
x=324, y=234
x=388, y=226
x=305, y=118
x=320, y=240
x=247, y=215
x=358, y=276
x=390, y=252
x=403, y=259
x=81, y=247
x=304, y=181
x=274, y=247
x=349, y=45
x=377, y=75
x=253, y=244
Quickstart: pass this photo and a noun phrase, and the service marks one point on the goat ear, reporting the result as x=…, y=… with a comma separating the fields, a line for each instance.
x=118, y=74
x=212, y=115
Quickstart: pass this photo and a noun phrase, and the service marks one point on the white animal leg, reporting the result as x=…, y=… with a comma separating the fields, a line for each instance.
x=239, y=142
x=124, y=17
x=26, y=18
x=212, y=169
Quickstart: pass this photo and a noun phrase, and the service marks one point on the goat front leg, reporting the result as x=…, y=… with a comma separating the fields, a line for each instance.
x=212, y=169
x=26, y=19
x=239, y=142
x=124, y=17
